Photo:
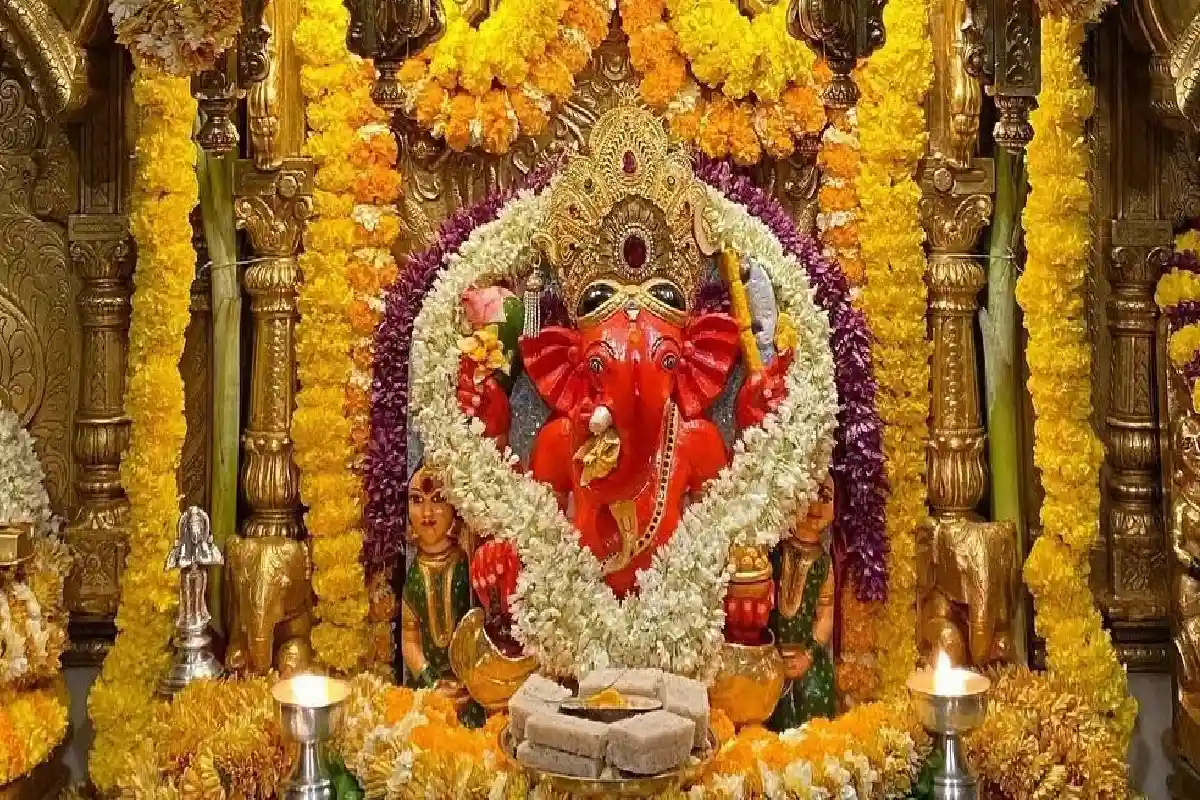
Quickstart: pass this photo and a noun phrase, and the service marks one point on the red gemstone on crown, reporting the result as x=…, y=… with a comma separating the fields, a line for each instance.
x=634, y=251
x=629, y=163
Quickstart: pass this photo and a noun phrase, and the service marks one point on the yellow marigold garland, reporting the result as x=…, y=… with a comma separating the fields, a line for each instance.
x=1066, y=449
x=1188, y=240
x=1040, y=740
x=32, y=723
x=122, y=704
x=740, y=56
x=485, y=86
x=346, y=256
x=891, y=121
x=215, y=740
x=1178, y=298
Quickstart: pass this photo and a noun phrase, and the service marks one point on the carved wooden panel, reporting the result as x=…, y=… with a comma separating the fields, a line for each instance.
x=38, y=326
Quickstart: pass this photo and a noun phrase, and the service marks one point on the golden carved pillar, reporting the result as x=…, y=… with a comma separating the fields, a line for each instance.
x=955, y=206
x=955, y=211
x=272, y=208
x=102, y=253
x=1130, y=560
x=967, y=565
x=1138, y=558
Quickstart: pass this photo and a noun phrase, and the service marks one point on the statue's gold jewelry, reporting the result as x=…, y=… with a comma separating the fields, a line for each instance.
x=796, y=560
x=438, y=572
x=630, y=549
x=624, y=216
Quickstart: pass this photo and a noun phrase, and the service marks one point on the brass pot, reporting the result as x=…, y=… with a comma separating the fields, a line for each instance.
x=749, y=681
x=16, y=543
x=491, y=677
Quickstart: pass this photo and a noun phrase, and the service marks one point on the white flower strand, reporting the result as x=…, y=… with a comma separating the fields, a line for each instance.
x=565, y=614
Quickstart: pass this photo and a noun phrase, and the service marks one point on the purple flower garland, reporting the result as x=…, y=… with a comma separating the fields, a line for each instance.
x=858, y=456
x=387, y=451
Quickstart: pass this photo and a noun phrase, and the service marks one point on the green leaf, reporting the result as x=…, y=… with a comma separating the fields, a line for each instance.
x=345, y=785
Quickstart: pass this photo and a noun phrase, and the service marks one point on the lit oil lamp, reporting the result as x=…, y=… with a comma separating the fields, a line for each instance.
x=310, y=711
x=950, y=702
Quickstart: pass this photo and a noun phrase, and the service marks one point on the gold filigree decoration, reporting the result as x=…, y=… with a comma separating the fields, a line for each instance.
x=639, y=192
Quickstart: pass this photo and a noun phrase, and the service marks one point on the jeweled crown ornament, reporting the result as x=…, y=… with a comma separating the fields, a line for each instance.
x=623, y=225
x=193, y=553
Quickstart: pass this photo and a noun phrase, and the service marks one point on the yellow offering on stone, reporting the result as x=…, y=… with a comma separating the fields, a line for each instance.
x=609, y=698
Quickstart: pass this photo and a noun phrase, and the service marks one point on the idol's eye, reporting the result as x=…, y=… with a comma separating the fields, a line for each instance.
x=595, y=365
x=594, y=296
x=668, y=294
x=670, y=360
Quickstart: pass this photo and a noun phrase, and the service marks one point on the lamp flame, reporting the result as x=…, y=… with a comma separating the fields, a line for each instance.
x=948, y=681
x=310, y=691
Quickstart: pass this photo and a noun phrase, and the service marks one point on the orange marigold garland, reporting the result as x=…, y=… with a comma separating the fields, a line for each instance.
x=486, y=86
x=837, y=200
x=346, y=261
x=892, y=134
x=735, y=123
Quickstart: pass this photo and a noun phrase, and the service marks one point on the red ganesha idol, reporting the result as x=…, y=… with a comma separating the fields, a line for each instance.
x=631, y=381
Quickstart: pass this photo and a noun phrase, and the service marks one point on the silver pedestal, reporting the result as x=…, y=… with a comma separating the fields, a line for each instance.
x=954, y=780
x=192, y=660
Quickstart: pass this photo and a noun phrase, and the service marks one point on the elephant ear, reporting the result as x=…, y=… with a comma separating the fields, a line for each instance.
x=710, y=349
x=553, y=361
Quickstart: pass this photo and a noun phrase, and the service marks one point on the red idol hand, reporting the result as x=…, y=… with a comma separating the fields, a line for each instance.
x=485, y=400
x=494, y=569
x=762, y=393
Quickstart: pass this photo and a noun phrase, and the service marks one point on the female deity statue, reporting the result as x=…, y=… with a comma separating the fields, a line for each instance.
x=804, y=618
x=437, y=589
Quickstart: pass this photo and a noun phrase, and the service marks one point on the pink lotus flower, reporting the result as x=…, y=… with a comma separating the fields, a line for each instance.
x=485, y=306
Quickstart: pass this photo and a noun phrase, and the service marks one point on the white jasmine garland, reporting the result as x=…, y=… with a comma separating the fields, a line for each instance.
x=23, y=495
x=565, y=614
x=29, y=624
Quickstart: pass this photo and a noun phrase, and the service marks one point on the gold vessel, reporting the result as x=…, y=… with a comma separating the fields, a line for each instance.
x=748, y=683
x=16, y=543
x=491, y=677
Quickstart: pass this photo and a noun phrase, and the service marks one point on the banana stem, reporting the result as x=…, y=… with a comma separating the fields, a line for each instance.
x=216, y=208
x=999, y=323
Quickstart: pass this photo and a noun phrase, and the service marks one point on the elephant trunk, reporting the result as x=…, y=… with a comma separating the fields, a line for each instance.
x=983, y=629
x=260, y=642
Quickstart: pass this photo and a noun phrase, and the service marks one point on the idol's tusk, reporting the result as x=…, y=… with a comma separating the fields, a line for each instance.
x=601, y=420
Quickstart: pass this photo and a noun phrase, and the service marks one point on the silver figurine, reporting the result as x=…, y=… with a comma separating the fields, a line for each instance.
x=194, y=551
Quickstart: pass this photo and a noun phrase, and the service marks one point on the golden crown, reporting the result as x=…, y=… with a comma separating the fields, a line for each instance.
x=623, y=221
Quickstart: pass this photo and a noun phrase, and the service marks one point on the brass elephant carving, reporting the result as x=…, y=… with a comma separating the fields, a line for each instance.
x=965, y=589
x=270, y=602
